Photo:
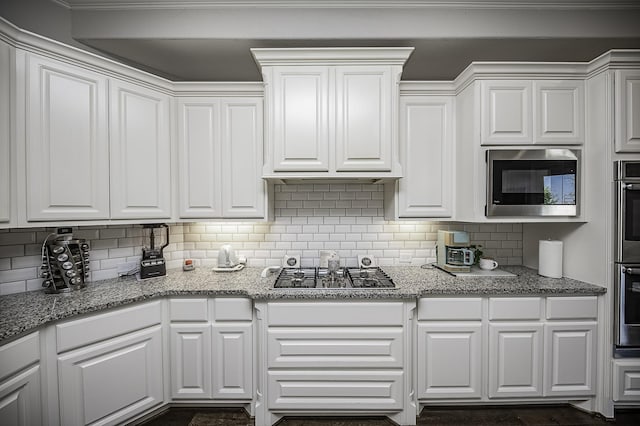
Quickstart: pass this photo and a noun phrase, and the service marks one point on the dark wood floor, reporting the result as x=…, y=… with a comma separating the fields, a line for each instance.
x=432, y=416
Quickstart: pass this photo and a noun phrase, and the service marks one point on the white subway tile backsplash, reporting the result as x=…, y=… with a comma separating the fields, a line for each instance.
x=347, y=218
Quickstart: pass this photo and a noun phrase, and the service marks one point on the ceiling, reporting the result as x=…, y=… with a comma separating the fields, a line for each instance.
x=209, y=40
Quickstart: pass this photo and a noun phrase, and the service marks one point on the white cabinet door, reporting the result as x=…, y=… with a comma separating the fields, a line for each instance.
x=449, y=360
x=20, y=402
x=506, y=116
x=112, y=381
x=627, y=110
x=140, y=152
x=190, y=361
x=243, y=189
x=232, y=352
x=364, y=118
x=570, y=359
x=199, y=158
x=67, y=145
x=560, y=111
x=515, y=360
x=626, y=380
x=6, y=180
x=299, y=116
x=426, y=155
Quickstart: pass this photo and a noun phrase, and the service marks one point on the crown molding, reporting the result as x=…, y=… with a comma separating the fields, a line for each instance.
x=217, y=88
x=418, y=88
x=348, y=4
x=332, y=56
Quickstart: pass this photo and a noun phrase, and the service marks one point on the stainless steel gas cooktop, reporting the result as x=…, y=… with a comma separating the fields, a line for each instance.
x=343, y=278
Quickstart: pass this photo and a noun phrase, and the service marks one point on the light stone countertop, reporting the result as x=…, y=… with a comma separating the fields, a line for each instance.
x=24, y=312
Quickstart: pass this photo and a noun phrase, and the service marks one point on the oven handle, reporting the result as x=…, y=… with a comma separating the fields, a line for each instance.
x=631, y=186
x=630, y=271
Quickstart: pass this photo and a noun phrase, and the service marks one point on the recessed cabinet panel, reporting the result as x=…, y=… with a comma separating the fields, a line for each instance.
x=515, y=360
x=426, y=146
x=626, y=380
x=232, y=361
x=363, y=111
x=300, y=121
x=112, y=381
x=140, y=152
x=243, y=187
x=560, y=112
x=506, y=112
x=20, y=401
x=627, y=88
x=199, y=158
x=570, y=354
x=190, y=361
x=449, y=360
x=67, y=145
x=6, y=53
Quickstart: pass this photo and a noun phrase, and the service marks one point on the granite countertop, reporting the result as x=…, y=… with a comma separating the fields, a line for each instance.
x=24, y=312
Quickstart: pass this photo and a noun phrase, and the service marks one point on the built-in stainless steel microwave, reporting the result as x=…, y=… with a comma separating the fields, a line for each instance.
x=533, y=182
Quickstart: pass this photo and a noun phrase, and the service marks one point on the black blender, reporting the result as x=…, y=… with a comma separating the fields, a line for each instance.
x=152, y=263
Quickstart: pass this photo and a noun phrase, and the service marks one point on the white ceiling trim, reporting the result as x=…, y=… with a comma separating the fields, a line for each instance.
x=351, y=4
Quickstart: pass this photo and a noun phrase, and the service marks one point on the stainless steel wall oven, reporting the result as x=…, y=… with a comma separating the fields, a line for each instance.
x=627, y=258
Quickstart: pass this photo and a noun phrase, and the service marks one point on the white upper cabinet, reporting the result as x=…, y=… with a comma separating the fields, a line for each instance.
x=331, y=112
x=199, y=157
x=506, y=112
x=364, y=124
x=560, y=112
x=5, y=132
x=300, y=118
x=220, y=157
x=67, y=146
x=140, y=152
x=522, y=112
x=243, y=190
x=426, y=155
x=627, y=110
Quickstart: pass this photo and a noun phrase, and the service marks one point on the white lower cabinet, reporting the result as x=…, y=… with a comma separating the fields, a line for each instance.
x=570, y=359
x=533, y=348
x=515, y=360
x=328, y=357
x=20, y=401
x=211, y=349
x=626, y=380
x=449, y=360
x=112, y=381
x=190, y=361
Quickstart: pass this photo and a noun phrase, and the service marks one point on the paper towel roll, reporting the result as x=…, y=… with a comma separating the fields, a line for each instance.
x=550, y=258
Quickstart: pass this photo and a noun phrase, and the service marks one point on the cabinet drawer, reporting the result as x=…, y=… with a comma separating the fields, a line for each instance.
x=93, y=329
x=188, y=310
x=335, y=313
x=515, y=308
x=19, y=354
x=626, y=380
x=583, y=307
x=454, y=308
x=232, y=309
x=338, y=347
x=335, y=390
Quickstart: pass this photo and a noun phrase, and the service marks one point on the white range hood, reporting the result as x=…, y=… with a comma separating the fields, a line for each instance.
x=331, y=114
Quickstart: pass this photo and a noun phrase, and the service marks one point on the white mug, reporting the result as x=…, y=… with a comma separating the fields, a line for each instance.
x=488, y=264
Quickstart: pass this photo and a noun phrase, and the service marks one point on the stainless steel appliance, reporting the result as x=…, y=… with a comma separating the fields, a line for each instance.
x=627, y=258
x=533, y=182
x=453, y=251
x=153, y=263
x=65, y=262
x=328, y=278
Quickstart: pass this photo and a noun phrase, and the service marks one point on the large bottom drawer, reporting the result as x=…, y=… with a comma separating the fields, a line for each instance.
x=368, y=390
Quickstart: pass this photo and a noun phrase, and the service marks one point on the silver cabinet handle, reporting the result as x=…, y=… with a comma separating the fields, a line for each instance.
x=630, y=271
